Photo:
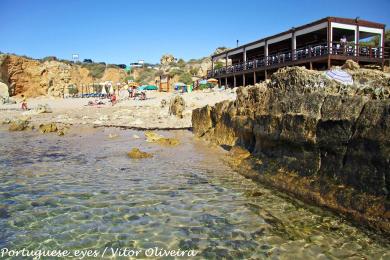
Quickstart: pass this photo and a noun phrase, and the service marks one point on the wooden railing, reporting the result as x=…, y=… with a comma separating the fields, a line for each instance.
x=279, y=59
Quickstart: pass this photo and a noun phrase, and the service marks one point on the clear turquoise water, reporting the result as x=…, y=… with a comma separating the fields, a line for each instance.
x=81, y=191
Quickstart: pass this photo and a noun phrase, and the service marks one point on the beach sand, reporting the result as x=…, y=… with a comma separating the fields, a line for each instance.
x=128, y=113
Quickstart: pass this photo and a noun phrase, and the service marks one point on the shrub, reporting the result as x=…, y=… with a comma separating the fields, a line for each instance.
x=194, y=71
x=49, y=58
x=96, y=70
x=181, y=63
x=73, y=90
x=185, y=78
x=174, y=72
x=146, y=75
x=218, y=65
x=127, y=78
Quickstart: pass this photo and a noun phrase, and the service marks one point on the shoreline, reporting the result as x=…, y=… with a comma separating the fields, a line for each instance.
x=150, y=114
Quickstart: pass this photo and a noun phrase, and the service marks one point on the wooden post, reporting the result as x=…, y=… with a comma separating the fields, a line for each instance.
x=266, y=53
x=243, y=79
x=234, y=81
x=219, y=80
x=357, y=36
x=311, y=65
x=212, y=66
x=293, y=44
x=254, y=77
x=226, y=63
x=382, y=49
x=226, y=82
x=265, y=74
x=329, y=36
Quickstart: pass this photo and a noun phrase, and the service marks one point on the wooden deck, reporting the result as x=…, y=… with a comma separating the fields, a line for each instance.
x=308, y=55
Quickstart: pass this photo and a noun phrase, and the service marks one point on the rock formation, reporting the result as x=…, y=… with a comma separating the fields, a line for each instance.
x=136, y=153
x=313, y=137
x=35, y=78
x=177, y=106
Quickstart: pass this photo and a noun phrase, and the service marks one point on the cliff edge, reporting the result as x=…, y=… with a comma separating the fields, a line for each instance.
x=312, y=137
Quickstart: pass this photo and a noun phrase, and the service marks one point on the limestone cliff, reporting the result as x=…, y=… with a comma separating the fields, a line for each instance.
x=314, y=138
x=35, y=78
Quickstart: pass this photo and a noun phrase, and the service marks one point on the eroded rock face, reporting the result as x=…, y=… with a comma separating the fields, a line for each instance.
x=303, y=123
x=35, y=78
x=177, y=106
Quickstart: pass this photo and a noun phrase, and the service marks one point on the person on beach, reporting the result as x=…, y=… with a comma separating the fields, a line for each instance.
x=130, y=90
x=113, y=99
x=24, y=103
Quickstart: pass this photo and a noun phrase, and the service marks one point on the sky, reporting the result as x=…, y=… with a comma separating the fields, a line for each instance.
x=125, y=31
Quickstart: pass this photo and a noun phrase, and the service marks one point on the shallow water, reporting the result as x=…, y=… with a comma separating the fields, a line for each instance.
x=81, y=191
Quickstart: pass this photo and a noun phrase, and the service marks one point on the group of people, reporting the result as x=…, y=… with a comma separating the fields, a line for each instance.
x=133, y=93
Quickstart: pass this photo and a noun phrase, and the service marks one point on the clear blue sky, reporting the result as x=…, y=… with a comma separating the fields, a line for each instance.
x=120, y=31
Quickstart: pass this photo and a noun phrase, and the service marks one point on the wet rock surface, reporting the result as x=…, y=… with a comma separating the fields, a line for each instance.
x=333, y=139
x=153, y=137
x=48, y=128
x=136, y=153
x=18, y=125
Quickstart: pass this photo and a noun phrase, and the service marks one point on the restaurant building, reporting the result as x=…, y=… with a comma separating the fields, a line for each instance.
x=317, y=45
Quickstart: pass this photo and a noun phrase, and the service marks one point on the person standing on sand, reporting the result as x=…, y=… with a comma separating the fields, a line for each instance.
x=130, y=90
x=24, y=103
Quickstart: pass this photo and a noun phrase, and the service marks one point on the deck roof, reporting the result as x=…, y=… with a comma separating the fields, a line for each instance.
x=326, y=19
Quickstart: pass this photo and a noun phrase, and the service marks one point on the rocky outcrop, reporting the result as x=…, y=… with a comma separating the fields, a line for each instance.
x=19, y=125
x=136, y=153
x=35, y=78
x=313, y=138
x=177, y=106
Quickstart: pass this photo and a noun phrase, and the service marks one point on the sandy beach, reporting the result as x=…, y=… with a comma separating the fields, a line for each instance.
x=129, y=113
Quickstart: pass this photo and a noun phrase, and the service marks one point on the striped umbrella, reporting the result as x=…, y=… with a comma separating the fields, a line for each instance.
x=340, y=76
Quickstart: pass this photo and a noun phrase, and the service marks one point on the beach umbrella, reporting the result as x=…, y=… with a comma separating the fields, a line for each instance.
x=104, y=92
x=180, y=84
x=340, y=76
x=151, y=87
x=111, y=91
x=212, y=80
x=133, y=84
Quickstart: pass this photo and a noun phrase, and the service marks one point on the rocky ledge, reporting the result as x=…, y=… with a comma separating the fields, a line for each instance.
x=313, y=138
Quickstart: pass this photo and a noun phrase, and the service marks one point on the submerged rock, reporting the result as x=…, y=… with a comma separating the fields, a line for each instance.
x=136, y=153
x=48, y=128
x=153, y=137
